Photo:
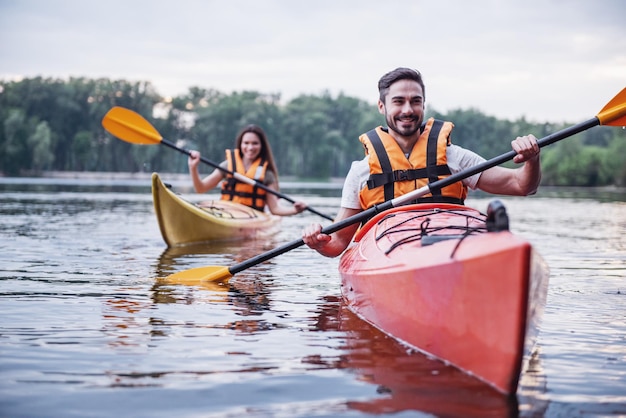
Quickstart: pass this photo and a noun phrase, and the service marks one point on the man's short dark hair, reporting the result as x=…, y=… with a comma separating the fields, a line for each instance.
x=400, y=73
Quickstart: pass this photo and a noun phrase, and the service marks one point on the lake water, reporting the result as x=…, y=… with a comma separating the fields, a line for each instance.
x=88, y=328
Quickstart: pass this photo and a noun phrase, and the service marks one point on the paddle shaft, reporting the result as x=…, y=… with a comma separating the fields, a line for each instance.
x=439, y=184
x=242, y=178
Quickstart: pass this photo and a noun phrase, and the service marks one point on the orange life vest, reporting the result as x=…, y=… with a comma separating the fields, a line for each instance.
x=236, y=191
x=392, y=174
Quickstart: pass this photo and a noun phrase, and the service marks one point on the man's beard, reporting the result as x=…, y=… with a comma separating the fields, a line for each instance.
x=391, y=123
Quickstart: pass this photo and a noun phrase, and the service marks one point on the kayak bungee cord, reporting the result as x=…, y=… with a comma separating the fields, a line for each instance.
x=426, y=233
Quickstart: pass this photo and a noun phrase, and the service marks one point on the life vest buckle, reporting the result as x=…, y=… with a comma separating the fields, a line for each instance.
x=401, y=175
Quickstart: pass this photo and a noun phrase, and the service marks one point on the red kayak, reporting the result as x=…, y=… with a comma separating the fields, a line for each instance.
x=450, y=282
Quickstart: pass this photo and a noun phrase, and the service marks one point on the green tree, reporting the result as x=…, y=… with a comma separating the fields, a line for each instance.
x=324, y=134
x=53, y=124
x=40, y=144
x=82, y=151
x=615, y=159
x=13, y=150
x=569, y=163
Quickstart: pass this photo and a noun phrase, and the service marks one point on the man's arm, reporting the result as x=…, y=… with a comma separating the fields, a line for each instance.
x=521, y=181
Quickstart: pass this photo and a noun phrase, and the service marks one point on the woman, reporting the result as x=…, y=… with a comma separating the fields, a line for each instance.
x=253, y=158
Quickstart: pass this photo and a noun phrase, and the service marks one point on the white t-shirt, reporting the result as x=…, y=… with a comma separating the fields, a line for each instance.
x=459, y=159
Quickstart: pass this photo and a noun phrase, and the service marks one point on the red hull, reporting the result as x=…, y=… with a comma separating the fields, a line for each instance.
x=473, y=302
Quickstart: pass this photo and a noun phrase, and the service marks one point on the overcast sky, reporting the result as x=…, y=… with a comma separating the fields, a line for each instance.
x=547, y=60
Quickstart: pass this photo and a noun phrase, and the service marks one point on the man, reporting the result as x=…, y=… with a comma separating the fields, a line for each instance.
x=385, y=173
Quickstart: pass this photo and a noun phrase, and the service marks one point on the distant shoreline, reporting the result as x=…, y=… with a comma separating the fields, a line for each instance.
x=182, y=179
x=109, y=175
x=72, y=177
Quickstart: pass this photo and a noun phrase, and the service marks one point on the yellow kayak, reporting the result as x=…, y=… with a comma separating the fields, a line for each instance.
x=182, y=222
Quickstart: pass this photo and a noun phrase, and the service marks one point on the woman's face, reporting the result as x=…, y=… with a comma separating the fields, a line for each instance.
x=250, y=146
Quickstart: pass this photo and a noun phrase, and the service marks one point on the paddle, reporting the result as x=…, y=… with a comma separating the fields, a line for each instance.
x=131, y=127
x=613, y=114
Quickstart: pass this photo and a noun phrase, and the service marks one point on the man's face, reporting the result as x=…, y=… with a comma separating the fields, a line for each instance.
x=403, y=107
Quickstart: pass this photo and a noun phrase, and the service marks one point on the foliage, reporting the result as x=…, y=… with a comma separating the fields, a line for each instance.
x=571, y=163
x=615, y=159
x=68, y=109
x=52, y=124
x=40, y=144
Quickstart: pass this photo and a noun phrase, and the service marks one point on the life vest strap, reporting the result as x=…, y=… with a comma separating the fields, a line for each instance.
x=379, y=179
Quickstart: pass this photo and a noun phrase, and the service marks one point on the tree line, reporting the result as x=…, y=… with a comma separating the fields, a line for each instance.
x=53, y=124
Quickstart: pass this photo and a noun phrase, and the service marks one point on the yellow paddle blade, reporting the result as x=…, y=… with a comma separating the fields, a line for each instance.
x=203, y=284
x=201, y=274
x=130, y=126
x=614, y=113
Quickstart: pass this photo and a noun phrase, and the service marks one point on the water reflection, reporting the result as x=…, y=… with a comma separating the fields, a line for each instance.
x=84, y=308
x=174, y=259
x=248, y=295
x=122, y=324
x=405, y=380
x=532, y=388
x=124, y=318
